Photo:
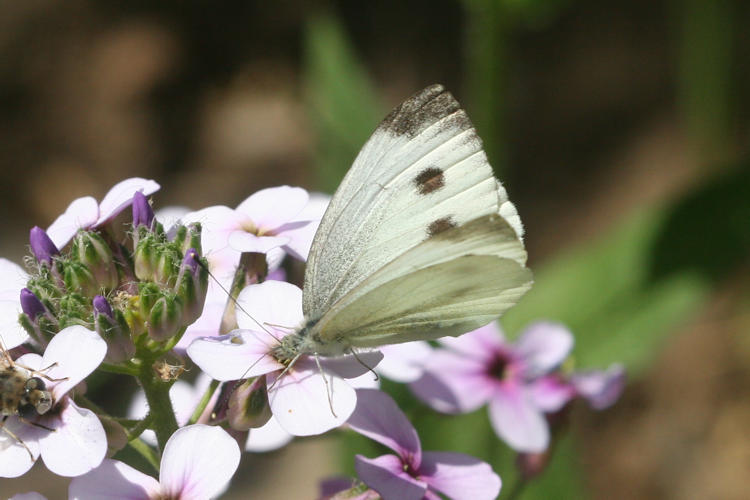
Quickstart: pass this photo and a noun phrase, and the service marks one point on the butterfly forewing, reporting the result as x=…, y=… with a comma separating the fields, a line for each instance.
x=421, y=173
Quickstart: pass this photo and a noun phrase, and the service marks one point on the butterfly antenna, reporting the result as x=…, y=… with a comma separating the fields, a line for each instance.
x=235, y=302
x=328, y=387
x=370, y=368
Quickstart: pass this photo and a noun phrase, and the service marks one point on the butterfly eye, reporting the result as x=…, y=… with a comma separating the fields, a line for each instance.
x=35, y=383
x=27, y=411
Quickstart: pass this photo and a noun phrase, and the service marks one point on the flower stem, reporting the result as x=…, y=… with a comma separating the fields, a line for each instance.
x=162, y=415
x=203, y=402
x=146, y=452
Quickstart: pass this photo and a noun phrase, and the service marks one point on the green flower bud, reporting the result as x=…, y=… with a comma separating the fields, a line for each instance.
x=192, y=285
x=165, y=318
x=146, y=257
x=112, y=327
x=248, y=405
x=91, y=250
x=79, y=279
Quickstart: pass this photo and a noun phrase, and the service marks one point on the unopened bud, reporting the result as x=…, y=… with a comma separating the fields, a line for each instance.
x=42, y=246
x=78, y=278
x=192, y=285
x=145, y=259
x=143, y=215
x=93, y=252
x=530, y=465
x=31, y=305
x=113, y=328
x=165, y=318
x=248, y=405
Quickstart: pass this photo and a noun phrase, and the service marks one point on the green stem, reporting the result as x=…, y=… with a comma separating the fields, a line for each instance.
x=159, y=404
x=129, y=369
x=204, y=402
x=146, y=452
x=138, y=428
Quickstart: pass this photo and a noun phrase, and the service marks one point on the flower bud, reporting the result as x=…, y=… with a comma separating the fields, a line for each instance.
x=531, y=465
x=92, y=251
x=145, y=259
x=35, y=318
x=78, y=278
x=166, y=268
x=192, y=285
x=112, y=327
x=31, y=305
x=248, y=405
x=42, y=246
x=143, y=215
x=165, y=318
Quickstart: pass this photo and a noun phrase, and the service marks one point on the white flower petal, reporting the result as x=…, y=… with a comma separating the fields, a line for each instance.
x=81, y=213
x=77, y=352
x=14, y=457
x=272, y=303
x=114, y=480
x=11, y=331
x=12, y=279
x=305, y=405
x=241, y=354
x=77, y=444
x=270, y=436
x=189, y=471
x=121, y=195
x=270, y=208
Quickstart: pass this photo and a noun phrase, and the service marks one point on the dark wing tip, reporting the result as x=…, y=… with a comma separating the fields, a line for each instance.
x=420, y=111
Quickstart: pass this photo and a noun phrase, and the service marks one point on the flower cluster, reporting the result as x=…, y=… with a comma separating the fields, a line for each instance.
x=147, y=295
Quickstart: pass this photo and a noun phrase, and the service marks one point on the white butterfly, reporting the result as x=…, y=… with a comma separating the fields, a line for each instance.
x=418, y=242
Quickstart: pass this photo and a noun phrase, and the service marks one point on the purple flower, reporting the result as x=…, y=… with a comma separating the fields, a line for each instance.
x=601, y=388
x=77, y=443
x=41, y=245
x=303, y=400
x=272, y=221
x=481, y=367
x=411, y=473
x=198, y=462
x=143, y=214
x=86, y=213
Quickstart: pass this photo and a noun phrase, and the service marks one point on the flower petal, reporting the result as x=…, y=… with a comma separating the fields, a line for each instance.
x=241, y=241
x=270, y=436
x=276, y=305
x=81, y=213
x=77, y=444
x=350, y=366
x=12, y=279
x=300, y=400
x=454, y=383
x=301, y=235
x=481, y=343
x=114, y=480
x=14, y=457
x=543, y=346
x=240, y=354
x=378, y=417
x=600, y=388
x=121, y=196
x=76, y=352
x=404, y=362
x=31, y=495
x=551, y=393
x=13, y=334
x=187, y=471
x=459, y=476
x=385, y=475
x=517, y=421
x=270, y=208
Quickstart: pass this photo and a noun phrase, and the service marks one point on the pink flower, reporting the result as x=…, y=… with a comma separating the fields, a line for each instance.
x=197, y=463
x=481, y=367
x=412, y=473
x=12, y=280
x=77, y=442
x=601, y=388
x=86, y=213
x=305, y=401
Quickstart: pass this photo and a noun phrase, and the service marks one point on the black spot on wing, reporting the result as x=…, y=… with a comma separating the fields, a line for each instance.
x=429, y=180
x=440, y=225
x=422, y=110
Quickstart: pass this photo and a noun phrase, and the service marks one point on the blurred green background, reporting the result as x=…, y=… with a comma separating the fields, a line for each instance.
x=620, y=129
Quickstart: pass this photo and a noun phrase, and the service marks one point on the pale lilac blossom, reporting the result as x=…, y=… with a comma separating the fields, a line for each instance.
x=13, y=279
x=197, y=463
x=302, y=400
x=481, y=367
x=77, y=442
x=412, y=473
x=86, y=213
x=31, y=495
x=600, y=388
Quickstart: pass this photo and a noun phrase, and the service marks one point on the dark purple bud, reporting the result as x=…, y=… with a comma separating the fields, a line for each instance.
x=192, y=285
x=41, y=245
x=31, y=305
x=101, y=306
x=143, y=215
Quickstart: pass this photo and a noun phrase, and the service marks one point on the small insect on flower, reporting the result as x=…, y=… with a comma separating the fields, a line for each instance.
x=23, y=393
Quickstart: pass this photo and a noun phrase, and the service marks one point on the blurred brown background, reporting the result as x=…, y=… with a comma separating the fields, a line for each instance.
x=589, y=110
